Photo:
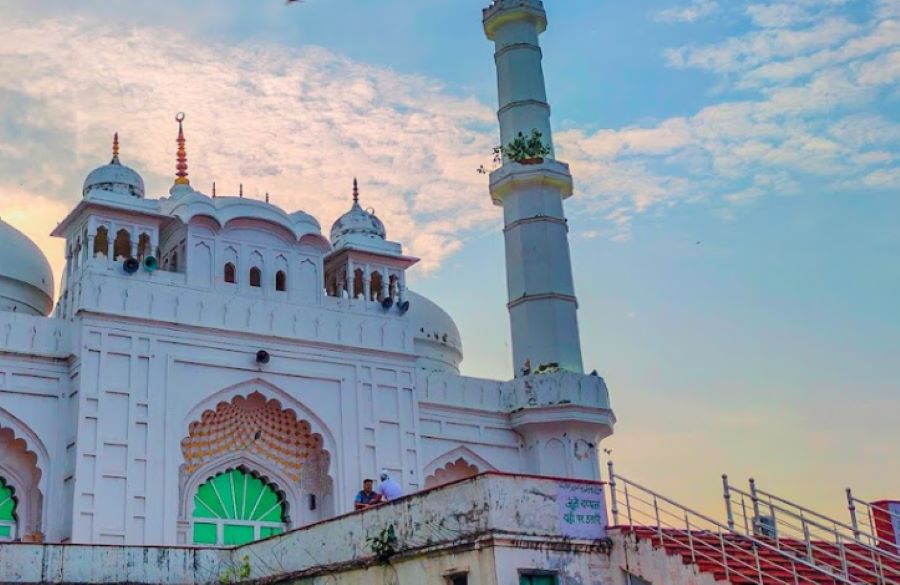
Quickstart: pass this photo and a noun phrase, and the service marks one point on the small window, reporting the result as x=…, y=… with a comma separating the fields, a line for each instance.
x=122, y=246
x=101, y=242
x=280, y=281
x=536, y=578
x=255, y=277
x=229, y=273
x=458, y=579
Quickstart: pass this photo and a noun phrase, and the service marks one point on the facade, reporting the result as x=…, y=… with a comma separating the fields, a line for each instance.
x=214, y=370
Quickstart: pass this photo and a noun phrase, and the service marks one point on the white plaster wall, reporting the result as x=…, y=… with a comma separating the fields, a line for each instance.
x=33, y=401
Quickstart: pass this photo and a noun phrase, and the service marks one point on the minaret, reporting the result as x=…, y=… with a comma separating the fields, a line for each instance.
x=542, y=304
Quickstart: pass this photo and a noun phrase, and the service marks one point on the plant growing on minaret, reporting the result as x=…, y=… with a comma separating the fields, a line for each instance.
x=529, y=150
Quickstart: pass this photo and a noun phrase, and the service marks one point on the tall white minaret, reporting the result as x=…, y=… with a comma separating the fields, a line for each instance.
x=542, y=304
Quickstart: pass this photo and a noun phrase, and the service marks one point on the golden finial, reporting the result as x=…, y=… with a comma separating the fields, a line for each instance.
x=355, y=191
x=181, y=167
x=267, y=196
x=115, y=158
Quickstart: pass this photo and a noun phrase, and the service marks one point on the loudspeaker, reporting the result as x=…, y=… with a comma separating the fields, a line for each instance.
x=387, y=303
x=262, y=357
x=151, y=263
x=404, y=307
x=130, y=265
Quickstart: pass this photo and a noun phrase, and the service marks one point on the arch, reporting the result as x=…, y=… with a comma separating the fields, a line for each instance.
x=456, y=461
x=241, y=426
x=122, y=245
x=237, y=506
x=554, y=460
x=255, y=277
x=376, y=287
x=394, y=286
x=23, y=459
x=281, y=281
x=101, y=241
x=229, y=273
x=144, y=248
x=308, y=282
x=358, y=284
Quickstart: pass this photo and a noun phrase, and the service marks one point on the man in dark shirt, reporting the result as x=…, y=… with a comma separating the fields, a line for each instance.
x=366, y=498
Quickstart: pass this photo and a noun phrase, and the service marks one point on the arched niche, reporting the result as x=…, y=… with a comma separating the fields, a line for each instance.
x=260, y=436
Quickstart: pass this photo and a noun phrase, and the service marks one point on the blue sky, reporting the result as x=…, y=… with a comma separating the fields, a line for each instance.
x=734, y=231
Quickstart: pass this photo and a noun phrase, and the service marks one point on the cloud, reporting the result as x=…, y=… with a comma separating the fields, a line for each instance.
x=297, y=123
x=799, y=109
x=692, y=12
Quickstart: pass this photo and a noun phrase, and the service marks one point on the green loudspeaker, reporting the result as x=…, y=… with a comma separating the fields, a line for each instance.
x=151, y=263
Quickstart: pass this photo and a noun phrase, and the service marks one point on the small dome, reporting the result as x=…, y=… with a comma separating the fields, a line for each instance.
x=115, y=177
x=357, y=225
x=26, y=281
x=436, y=337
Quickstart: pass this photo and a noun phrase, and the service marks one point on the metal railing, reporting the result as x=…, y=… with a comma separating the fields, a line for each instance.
x=804, y=533
x=862, y=520
x=710, y=545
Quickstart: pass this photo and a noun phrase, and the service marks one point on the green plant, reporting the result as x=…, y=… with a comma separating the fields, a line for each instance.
x=237, y=573
x=527, y=150
x=383, y=544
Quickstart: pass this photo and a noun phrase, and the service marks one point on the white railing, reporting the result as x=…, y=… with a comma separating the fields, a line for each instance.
x=712, y=546
x=803, y=533
x=862, y=520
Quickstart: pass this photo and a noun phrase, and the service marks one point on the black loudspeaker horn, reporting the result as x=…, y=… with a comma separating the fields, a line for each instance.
x=262, y=357
x=151, y=263
x=387, y=303
x=404, y=307
x=130, y=265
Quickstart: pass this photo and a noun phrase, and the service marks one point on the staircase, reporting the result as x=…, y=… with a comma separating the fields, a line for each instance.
x=789, y=546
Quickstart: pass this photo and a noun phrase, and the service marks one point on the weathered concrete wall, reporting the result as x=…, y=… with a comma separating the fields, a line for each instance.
x=490, y=526
x=643, y=560
x=57, y=563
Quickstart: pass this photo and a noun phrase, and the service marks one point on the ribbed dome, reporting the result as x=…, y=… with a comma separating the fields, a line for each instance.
x=115, y=177
x=357, y=225
x=26, y=281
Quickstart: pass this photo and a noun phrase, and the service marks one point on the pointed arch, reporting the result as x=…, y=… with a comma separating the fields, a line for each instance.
x=455, y=464
x=24, y=465
x=101, y=241
x=122, y=245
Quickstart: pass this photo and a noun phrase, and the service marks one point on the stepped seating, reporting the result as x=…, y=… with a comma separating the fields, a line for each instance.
x=731, y=557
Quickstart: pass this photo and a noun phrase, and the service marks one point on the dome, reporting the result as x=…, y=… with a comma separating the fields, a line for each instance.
x=115, y=177
x=436, y=338
x=357, y=225
x=26, y=281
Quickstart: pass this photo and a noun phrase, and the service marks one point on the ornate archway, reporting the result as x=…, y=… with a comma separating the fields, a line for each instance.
x=237, y=506
x=258, y=438
x=460, y=463
x=21, y=499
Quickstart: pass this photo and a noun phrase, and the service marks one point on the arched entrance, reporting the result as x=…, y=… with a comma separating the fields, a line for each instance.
x=253, y=451
x=21, y=499
x=236, y=507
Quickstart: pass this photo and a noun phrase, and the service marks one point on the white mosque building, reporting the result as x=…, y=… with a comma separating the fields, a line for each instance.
x=216, y=370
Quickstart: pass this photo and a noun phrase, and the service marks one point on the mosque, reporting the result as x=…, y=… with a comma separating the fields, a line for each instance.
x=215, y=370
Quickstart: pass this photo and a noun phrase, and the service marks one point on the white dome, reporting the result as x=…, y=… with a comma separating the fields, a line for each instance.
x=26, y=281
x=116, y=178
x=436, y=337
x=357, y=228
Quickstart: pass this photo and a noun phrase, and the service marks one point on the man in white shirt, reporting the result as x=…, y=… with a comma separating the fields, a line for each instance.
x=389, y=489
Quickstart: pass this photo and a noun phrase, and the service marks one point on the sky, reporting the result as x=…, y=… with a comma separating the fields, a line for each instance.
x=734, y=230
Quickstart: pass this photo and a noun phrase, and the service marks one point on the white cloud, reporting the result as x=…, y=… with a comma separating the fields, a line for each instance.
x=692, y=12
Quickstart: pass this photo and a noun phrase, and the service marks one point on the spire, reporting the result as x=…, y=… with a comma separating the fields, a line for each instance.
x=115, y=150
x=267, y=196
x=181, y=174
x=355, y=193
x=241, y=190
x=214, y=189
